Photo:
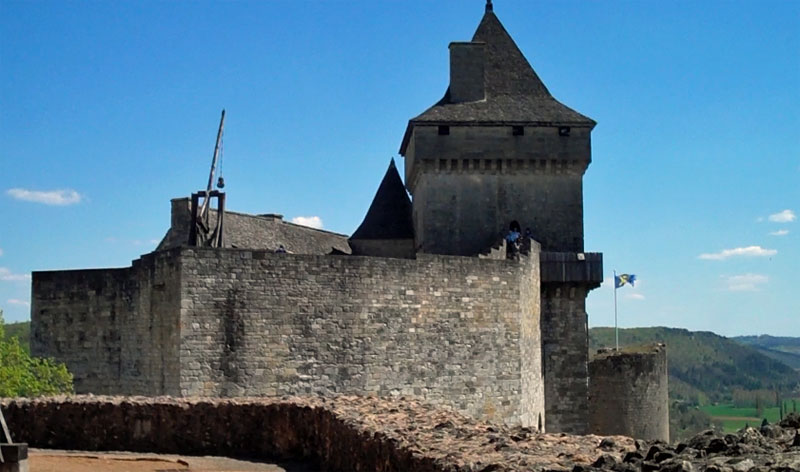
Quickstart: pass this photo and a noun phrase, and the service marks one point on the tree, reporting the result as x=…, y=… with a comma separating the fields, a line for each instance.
x=24, y=376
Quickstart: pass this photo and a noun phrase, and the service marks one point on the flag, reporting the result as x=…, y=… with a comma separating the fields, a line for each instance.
x=622, y=279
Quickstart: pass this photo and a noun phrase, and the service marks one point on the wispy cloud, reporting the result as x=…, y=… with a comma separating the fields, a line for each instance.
x=749, y=251
x=48, y=197
x=785, y=216
x=745, y=282
x=310, y=221
x=133, y=242
x=634, y=296
x=17, y=301
x=780, y=232
x=8, y=276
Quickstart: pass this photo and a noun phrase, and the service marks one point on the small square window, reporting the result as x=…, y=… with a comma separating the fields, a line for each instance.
x=444, y=130
x=517, y=130
x=563, y=131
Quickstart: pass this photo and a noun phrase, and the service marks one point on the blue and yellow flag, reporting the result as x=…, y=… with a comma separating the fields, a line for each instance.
x=622, y=279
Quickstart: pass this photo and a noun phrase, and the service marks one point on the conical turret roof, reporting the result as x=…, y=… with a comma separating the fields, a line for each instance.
x=514, y=92
x=389, y=215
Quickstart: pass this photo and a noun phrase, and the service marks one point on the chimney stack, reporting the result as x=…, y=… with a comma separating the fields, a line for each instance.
x=466, y=71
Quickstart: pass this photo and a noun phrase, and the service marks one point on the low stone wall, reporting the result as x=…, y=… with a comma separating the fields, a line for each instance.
x=342, y=434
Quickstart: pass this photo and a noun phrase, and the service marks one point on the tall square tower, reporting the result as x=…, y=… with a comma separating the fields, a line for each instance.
x=498, y=149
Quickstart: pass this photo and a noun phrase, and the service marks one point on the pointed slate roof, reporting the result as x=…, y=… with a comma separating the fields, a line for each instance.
x=514, y=93
x=389, y=215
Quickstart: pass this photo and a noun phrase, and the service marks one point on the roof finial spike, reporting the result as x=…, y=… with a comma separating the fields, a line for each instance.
x=489, y=6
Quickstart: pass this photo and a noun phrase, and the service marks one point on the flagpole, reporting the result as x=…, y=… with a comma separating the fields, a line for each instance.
x=616, y=328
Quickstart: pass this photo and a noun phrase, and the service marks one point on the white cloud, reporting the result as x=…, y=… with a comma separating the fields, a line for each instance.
x=8, y=276
x=780, y=232
x=16, y=301
x=785, y=216
x=749, y=251
x=634, y=296
x=50, y=197
x=310, y=221
x=745, y=282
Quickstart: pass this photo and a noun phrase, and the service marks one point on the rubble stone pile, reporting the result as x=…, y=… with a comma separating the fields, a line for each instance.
x=771, y=448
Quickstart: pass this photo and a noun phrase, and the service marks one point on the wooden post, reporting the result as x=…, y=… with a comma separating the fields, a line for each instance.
x=5, y=427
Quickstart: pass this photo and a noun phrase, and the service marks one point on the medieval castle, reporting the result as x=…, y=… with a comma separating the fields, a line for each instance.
x=421, y=300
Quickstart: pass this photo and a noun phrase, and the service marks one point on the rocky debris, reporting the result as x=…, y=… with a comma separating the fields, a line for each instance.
x=772, y=448
x=349, y=433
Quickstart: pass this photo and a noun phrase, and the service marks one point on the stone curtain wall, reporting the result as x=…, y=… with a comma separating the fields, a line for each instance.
x=628, y=393
x=565, y=354
x=449, y=329
x=76, y=317
x=116, y=329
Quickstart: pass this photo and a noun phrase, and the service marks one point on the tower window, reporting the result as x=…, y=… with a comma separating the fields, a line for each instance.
x=563, y=130
x=517, y=130
x=444, y=130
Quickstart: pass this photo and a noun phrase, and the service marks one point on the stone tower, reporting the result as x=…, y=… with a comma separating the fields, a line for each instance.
x=499, y=148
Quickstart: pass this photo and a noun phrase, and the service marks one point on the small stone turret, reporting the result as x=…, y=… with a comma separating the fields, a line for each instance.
x=628, y=393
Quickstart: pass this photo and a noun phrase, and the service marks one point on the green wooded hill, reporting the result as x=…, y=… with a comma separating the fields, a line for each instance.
x=705, y=367
x=21, y=331
x=782, y=348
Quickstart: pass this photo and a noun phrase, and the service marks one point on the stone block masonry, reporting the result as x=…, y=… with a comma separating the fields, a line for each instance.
x=116, y=329
x=455, y=331
x=565, y=353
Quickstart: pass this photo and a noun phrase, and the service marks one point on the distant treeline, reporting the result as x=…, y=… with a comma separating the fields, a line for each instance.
x=20, y=330
x=705, y=367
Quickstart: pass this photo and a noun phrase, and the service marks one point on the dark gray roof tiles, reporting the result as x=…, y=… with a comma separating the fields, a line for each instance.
x=389, y=215
x=514, y=93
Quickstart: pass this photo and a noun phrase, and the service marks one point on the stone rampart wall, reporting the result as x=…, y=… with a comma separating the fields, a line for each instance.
x=340, y=434
x=116, y=329
x=628, y=393
x=455, y=331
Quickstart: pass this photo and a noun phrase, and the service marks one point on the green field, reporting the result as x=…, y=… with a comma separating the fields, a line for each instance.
x=734, y=419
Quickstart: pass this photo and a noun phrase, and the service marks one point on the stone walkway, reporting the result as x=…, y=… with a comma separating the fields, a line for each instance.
x=48, y=460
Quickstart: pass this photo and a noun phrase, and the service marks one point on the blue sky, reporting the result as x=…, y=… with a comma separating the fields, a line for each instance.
x=109, y=109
